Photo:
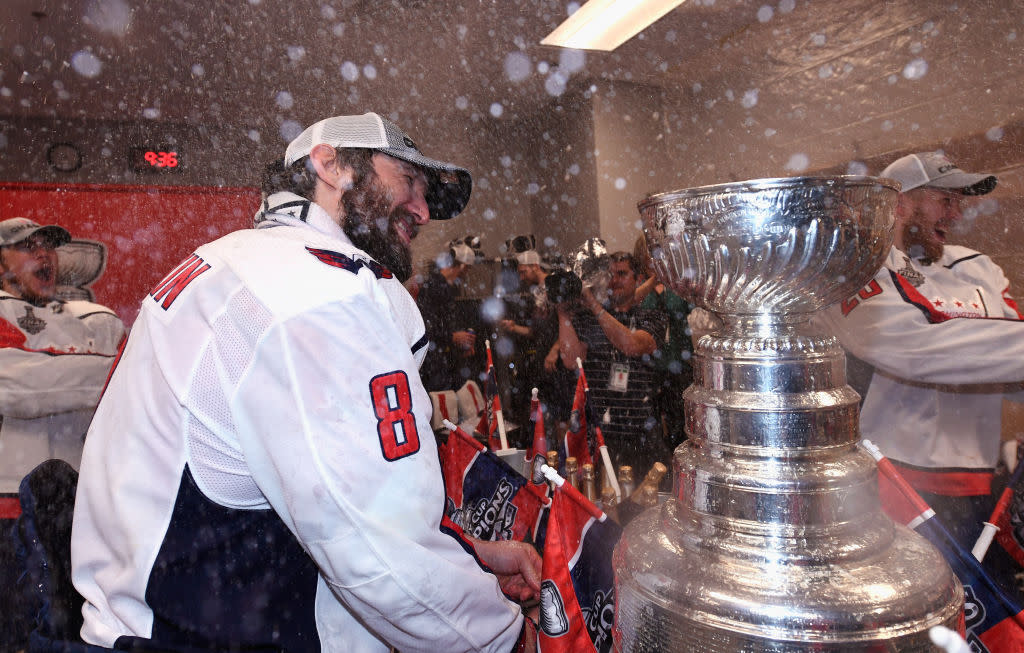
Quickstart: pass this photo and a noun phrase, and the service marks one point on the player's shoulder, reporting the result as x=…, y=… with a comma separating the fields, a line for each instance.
x=10, y=304
x=292, y=269
x=956, y=256
x=81, y=309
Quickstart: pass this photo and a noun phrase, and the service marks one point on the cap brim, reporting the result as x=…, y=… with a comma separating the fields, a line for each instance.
x=449, y=186
x=55, y=234
x=966, y=183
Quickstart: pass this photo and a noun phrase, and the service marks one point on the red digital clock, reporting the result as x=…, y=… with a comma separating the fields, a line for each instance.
x=155, y=159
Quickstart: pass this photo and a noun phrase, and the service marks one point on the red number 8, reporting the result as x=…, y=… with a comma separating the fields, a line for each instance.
x=396, y=423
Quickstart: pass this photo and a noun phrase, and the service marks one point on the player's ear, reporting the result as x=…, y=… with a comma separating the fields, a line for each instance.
x=904, y=205
x=329, y=169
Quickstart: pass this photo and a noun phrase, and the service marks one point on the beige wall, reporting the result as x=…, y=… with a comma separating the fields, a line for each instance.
x=579, y=169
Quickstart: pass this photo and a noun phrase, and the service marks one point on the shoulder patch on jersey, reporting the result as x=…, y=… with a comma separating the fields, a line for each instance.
x=339, y=260
x=962, y=260
x=171, y=286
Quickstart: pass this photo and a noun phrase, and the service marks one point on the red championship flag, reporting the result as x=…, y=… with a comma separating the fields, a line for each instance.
x=492, y=423
x=484, y=496
x=994, y=620
x=576, y=438
x=539, y=446
x=577, y=591
x=1008, y=517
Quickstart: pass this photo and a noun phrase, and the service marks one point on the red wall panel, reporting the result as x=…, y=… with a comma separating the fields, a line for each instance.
x=147, y=230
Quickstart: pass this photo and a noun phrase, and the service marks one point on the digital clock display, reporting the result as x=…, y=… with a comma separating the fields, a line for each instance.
x=155, y=159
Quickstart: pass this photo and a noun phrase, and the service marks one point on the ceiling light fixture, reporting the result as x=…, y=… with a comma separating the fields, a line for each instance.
x=607, y=24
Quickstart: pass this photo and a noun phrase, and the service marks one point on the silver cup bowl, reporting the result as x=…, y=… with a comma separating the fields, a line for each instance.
x=771, y=246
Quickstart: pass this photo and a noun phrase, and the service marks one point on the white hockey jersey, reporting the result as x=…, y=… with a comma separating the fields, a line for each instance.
x=947, y=344
x=261, y=470
x=54, y=360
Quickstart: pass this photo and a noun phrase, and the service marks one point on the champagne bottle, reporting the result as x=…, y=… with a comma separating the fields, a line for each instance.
x=552, y=463
x=644, y=496
x=590, y=484
x=572, y=472
x=626, y=480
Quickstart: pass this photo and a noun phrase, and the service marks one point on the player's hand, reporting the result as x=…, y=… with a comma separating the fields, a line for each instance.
x=551, y=360
x=506, y=326
x=590, y=302
x=516, y=564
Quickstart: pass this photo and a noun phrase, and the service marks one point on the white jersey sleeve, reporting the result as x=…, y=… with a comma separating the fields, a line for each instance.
x=352, y=469
x=950, y=323
x=54, y=358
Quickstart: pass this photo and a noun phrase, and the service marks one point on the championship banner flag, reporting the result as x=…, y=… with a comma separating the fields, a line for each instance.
x=577, y=591
x=576, y=438
x=484, y=496
x=539, y=446
x=490, y=424
x=1008, y=517
x=994, y=620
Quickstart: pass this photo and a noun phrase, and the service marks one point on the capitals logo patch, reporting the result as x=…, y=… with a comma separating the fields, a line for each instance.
x=339, y=260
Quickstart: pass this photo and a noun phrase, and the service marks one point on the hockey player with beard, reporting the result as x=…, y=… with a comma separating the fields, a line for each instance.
x=945, y=339
x=261, y=472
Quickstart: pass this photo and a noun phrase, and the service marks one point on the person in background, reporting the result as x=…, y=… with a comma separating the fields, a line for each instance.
x=945, y=338
x=616, y=339
x=261, y=473
x=673, y=360
x=452, y=348
x=537, y=338
x=54, y=359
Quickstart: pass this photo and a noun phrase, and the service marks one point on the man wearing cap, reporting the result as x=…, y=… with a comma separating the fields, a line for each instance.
x=54, y=358
x=538, y=333
x=946, y=341
x=261, y=473
x=451, y=351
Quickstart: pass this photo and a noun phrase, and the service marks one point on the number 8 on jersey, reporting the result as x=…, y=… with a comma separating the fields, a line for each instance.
x=396, y=423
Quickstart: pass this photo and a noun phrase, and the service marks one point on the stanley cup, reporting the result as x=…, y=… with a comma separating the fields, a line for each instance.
x=774, y=539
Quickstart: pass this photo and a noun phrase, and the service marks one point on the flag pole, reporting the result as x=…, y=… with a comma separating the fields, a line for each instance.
x=924, y=511
x=539, y=444
x=573, y=493
x=606, y=458
x=948, y=640
x=990, y=529
x=454, y=428
x=497, y=411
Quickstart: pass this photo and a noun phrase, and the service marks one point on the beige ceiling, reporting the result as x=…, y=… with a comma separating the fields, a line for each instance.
x=798, y=68
x=561, y=143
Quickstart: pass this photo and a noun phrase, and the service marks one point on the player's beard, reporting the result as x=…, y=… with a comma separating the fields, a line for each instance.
x=370, y=223
x=919, y=239
x=39, y=291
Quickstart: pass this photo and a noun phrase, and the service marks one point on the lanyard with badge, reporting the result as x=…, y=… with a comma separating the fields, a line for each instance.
x=618, y=379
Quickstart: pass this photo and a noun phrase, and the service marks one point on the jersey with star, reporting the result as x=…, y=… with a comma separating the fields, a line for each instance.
x=946, y=341
x=54, y=360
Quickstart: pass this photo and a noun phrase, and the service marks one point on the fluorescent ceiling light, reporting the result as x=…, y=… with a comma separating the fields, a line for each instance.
x=607, y=24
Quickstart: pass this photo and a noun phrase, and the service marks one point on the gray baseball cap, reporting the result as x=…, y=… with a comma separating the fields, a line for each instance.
x=448, y=185
x=935, y=170
x=15, y=230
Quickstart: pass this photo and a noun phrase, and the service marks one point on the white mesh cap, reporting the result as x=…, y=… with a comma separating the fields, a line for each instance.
x=16, y=230
x=935, y=170
x=529, y=257
x=448, y=185
x=463, y=253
